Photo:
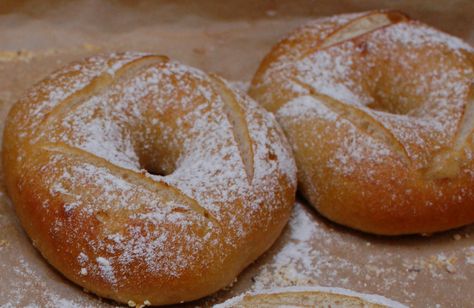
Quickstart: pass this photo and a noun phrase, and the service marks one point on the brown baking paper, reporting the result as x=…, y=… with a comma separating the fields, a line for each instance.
x=229, y=38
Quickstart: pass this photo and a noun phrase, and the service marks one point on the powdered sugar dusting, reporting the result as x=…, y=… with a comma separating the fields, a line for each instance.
x=306, y=105
x=422, y=35
x=350, y=147
x=106, y=270
x=26, y=279
x=127, y=219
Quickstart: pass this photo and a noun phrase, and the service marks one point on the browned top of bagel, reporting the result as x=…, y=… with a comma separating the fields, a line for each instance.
x=143, y=179
x=309, y=296
x=382, y=105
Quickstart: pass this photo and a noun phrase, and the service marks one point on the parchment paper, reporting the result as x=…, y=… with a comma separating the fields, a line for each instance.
x=230, y=38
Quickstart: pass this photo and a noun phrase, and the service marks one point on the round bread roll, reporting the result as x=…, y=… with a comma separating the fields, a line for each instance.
x=309, y=297
x=379, y=111
x=144, y=180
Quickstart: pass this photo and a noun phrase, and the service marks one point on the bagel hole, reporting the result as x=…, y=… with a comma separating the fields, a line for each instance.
x=386, y=100
x=157, y=155
x=159, y=162
x=157, y=170
x=407, y=79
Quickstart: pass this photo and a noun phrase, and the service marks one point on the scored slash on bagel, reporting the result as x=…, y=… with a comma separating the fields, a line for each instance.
x=145, y=180
x=378, y=108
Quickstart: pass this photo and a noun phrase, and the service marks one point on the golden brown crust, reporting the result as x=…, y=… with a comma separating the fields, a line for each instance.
x=78, y=151
x=309, y=297
x=378, y=109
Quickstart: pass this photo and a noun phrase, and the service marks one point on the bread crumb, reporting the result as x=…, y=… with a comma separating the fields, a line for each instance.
x=4, y=243
x=131, y=303
x=457, y=237
x=231, y=284
x=90, y=47
x=450, y=268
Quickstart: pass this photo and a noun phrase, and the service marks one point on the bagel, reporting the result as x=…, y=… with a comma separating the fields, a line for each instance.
x=379, y=111
x=309, y=297
x=144, y=180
